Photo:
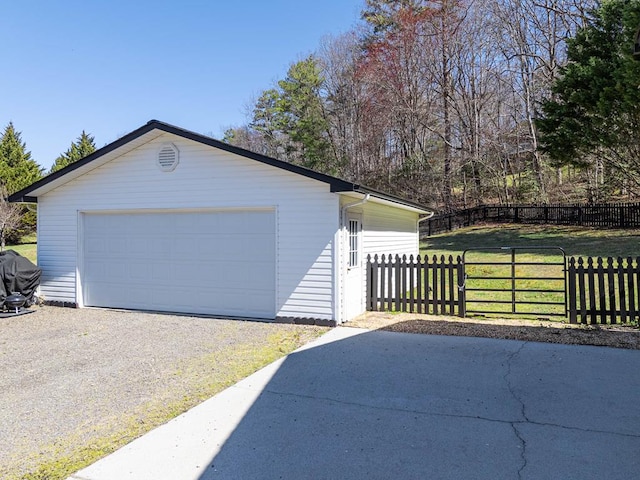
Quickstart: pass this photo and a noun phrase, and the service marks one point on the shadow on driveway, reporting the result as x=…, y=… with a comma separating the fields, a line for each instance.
x=380, y=405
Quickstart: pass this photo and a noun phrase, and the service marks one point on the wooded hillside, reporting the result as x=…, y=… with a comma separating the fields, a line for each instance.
x=454, y=103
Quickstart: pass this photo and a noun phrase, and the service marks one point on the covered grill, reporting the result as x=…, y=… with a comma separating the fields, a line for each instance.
x=18, y=275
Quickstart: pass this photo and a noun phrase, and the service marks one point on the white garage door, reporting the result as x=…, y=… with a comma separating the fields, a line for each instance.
x=198, y=262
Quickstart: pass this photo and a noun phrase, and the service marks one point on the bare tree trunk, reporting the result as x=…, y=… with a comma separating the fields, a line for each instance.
x=446, y=81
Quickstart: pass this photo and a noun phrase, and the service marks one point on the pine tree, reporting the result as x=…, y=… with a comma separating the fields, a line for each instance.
x=594, y=113
x=82, y=147
x=304, y=116
x=292, y=120
x=17, y=168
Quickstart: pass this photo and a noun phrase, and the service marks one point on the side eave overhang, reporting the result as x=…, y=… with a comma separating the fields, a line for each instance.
x=375, y=196
x=154, y=129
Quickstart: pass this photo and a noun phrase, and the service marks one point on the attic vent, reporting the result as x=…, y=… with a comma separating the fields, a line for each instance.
x=168, y=157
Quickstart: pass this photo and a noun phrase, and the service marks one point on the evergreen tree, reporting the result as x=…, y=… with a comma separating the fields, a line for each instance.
x=82, y=147
x=17, y=168
x=268, y=120
x=594, y=114
x=292, y=121
x=302, y=113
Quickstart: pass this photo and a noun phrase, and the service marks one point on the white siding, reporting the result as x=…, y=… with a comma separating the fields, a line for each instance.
x=389, y=230
x=306, y=215
x=385, y=230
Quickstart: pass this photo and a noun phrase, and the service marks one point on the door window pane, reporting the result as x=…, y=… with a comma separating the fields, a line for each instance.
x=354, y=228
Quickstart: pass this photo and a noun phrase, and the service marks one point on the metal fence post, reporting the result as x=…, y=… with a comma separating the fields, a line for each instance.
x=462, y=310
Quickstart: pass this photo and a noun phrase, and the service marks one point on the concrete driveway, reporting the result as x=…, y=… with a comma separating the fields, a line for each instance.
x=379, y=405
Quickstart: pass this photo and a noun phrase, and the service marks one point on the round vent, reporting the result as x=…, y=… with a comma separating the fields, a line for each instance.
x=168, y=157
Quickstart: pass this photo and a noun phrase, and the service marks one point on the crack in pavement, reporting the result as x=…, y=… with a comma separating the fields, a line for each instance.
x=523, y=411
x=438, y=414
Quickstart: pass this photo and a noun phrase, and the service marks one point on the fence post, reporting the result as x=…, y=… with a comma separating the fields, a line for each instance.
x=611, y=289
x=572, y=291
x=419, y=281
x=582, y=290
x=602, y=294
x=369, y=278
x=412, y=284
x=372, y=280
x=580, y=216
x=591, y=277
x=622, y=291
x=434, y=288
x=462, y=312
x=398, y=286
x=403, y=284
x=452, y=286
x=631, y=290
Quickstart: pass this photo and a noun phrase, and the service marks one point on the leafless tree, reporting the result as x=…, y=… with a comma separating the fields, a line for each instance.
x=10, y=217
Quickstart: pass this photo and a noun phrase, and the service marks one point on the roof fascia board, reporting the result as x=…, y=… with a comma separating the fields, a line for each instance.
x=336, y=185
x=24, y=199
x=391, y=199
x=24, y=193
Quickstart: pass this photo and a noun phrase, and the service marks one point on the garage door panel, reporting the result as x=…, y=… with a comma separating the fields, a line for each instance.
x=97, y=246
x=159, y=273
x=183, y=273
x=203, y=262
x=260, y=281
x=253, y=250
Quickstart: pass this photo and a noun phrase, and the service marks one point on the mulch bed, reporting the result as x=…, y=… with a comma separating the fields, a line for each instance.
x=617, y=336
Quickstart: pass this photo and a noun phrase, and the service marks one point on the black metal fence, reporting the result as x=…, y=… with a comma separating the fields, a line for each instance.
x=514, y=282
x=604, y=215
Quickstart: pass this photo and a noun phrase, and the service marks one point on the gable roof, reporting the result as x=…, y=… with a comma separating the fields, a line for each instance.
x=154, y=129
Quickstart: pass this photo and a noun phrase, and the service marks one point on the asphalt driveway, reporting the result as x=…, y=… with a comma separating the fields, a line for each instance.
x=72, y=377
x=359, y=404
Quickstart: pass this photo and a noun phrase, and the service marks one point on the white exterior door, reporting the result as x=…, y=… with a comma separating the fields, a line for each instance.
x=214, y=262
x=354, y=277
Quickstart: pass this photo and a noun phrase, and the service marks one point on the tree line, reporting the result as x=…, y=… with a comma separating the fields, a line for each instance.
x=451, y=103
x=18, y=170
x=454, y=103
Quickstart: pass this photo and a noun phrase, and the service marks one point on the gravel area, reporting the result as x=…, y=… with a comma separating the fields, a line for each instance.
x=72, y=376
x=617, y=336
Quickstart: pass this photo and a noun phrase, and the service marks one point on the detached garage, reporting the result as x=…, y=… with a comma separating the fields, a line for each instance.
x=165, y=219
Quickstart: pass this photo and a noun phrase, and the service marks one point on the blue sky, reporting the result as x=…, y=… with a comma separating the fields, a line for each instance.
x=108, y=67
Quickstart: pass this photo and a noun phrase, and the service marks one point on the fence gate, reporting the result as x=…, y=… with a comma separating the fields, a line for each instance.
x=512, y=281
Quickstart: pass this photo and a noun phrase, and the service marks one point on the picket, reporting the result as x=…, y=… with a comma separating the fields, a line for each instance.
x=414, y=284
x=605, y=291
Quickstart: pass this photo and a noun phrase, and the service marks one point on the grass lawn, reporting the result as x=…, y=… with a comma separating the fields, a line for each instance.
x=27, y=248
x=483, y=243
x=576, y=241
